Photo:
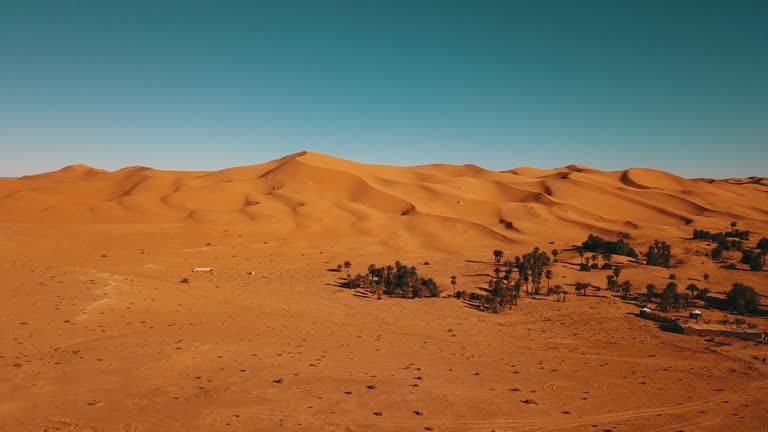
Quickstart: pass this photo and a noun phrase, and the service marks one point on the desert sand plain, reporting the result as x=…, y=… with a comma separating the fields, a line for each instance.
x=98, y=333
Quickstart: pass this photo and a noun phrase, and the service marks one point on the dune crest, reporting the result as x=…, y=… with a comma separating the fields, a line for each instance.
x=316, y=192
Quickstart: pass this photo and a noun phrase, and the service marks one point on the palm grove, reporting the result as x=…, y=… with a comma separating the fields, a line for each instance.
x=530, y=273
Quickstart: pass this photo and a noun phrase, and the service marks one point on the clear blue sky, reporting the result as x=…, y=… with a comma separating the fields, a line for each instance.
x=676, y=85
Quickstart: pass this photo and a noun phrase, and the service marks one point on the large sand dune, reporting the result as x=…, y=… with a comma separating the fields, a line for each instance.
x=309, y=191
x=98, y=335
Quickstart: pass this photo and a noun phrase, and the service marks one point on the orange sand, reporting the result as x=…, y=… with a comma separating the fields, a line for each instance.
x=99, y=335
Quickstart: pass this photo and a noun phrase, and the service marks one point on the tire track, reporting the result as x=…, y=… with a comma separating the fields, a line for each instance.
x=531, y=425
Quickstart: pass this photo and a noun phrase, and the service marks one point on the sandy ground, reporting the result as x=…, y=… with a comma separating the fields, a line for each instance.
x=99, y=335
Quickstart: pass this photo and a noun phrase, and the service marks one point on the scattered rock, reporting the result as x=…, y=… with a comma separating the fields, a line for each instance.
x=378, y=413
x=371, y=387
x=185, y=280
x=278, y=381
x=530, y=402
x=418, y=413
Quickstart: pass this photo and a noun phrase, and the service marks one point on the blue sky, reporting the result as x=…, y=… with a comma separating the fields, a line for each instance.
x=675, y=85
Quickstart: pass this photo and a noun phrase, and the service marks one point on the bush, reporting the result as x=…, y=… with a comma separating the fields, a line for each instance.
x=507, y=224
x=594, y=266
x=584, y=267
x=607, y=266
x=597, y=244
x=716, y=254
x=720, y=236
x=743, y=298
x=753, y=259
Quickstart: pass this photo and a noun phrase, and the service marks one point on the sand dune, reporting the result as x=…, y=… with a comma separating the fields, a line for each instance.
x=310, y=191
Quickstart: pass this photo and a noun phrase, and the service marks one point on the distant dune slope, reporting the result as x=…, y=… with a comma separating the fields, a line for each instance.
x=310, y=192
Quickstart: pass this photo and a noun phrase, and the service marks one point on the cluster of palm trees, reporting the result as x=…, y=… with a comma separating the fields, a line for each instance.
x=397, y=280
x=503, y=292
x=592, y=262
x=659, y=254
x=671, y=298
x=614, y=284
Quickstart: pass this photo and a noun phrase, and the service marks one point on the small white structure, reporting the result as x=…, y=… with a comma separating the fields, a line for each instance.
x=202, y=270
x=645, y=310
x=695, y=315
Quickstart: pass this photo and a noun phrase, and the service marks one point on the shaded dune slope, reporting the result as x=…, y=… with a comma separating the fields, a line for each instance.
x=310, y=192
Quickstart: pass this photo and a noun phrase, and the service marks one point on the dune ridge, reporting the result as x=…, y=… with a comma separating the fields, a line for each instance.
x=315, y=192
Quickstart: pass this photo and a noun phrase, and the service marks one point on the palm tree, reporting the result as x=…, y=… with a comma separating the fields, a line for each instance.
x=762, y=246
x=668, y=297
x=453, y=282
x=347, y=266
x=527, y=279
x=548, y=275
x=498, y=254
x=607, y=258
x=596, y=259
x=650, y=289
x=581, y=286
x=616, y=273
x=581, y=254
x=339, y=268
x=524, y=276
x=371, y=270
x=672, y=276
x=555, y=253
x=497, y=272
x=734, y=225
x=692, y=288
x=626, y=288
